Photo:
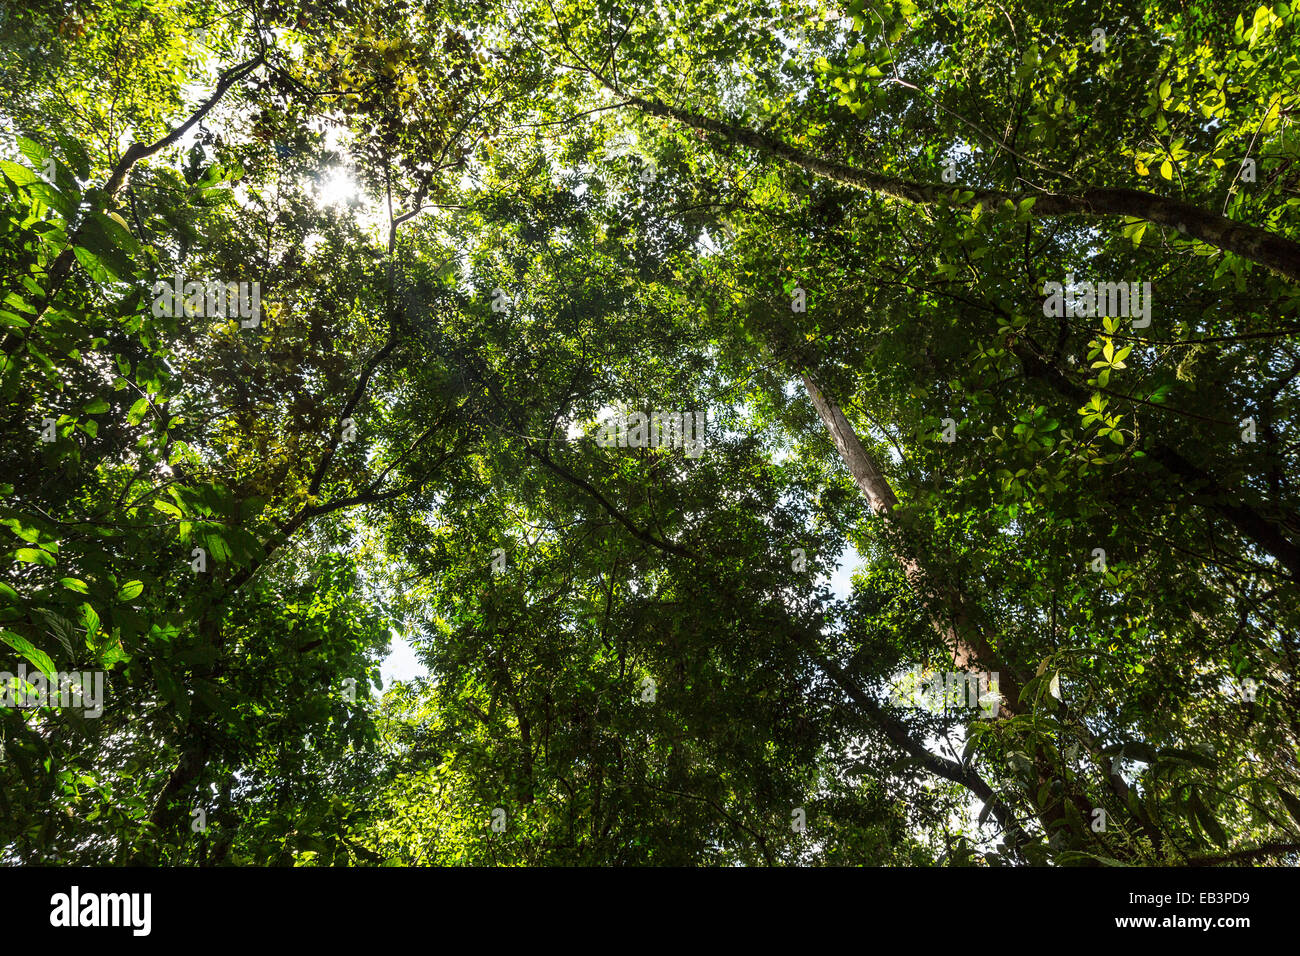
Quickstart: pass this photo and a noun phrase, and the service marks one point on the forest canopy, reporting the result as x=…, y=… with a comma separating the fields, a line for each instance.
x=590, y=348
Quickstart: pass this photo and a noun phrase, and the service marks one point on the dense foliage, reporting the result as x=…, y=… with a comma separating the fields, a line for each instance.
x=830, y=228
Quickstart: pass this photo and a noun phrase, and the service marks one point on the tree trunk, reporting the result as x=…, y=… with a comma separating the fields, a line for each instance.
x=960, y=633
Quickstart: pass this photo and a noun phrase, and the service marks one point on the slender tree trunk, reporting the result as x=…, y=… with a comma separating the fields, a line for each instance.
x=117, y=178
x=963, y=636
x=959, y=632
x=165, y=814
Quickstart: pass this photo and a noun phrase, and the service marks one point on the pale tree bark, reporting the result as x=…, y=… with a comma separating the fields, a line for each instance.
x=958, y=627
x=952, y=613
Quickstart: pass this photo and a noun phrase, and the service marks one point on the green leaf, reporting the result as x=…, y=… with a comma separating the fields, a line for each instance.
x=36, y=153
x=167, y=508
x=130, y=591
x=115, y=230
x=1207, y=821
x=138, y=411
x=76, y=155
x=216, y=546
x=18, y=175
x=38, y=658
x=1291, y=802
x=90, y=262
x=90, y=619
x=56, y=199
x=100, y=239
x=35, y=556
x=64, y=631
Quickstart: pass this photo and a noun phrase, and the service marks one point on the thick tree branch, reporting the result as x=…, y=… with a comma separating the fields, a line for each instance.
x=1278, y=253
